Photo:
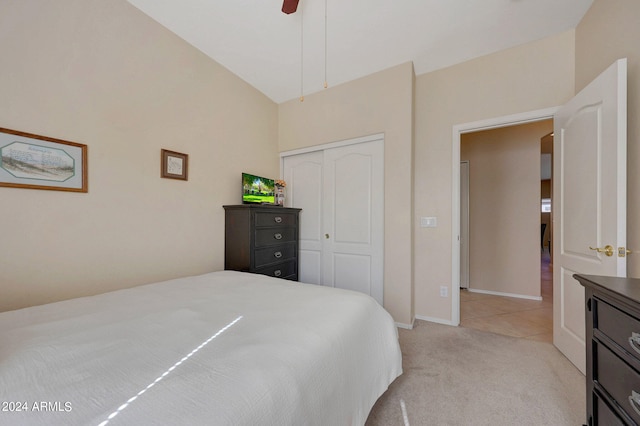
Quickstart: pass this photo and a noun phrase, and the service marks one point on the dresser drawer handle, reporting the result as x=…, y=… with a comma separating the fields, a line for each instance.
x=277, y=254
x=277, y=273
x=634, y=400
x=634, y=341
x=277, y=236
x=278, y=219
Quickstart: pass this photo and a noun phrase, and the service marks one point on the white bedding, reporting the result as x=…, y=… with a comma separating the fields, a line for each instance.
x=271, y=352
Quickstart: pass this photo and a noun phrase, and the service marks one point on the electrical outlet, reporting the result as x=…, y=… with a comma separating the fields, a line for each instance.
x=444, y=290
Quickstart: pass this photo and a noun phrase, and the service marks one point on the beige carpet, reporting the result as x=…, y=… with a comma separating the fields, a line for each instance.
x=460, y=376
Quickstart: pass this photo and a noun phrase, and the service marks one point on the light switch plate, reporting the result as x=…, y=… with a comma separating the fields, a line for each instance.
x=428, y=222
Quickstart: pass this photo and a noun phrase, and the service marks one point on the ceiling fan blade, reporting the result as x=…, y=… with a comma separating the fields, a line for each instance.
x=290, y=6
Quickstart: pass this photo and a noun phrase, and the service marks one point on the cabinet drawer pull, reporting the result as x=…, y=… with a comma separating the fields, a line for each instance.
x=277, y=254
x=634, y=341
x=278, y=272
x=278, y=219
x=277, y=236
x=634, y=400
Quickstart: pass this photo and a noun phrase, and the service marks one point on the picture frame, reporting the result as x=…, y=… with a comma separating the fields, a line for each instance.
x=33, y=161
x=174, y=165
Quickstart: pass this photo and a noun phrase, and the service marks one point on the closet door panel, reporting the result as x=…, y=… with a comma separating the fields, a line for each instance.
x=353, y=218
x=353, y=193
x=303, y=174
x=352, y=272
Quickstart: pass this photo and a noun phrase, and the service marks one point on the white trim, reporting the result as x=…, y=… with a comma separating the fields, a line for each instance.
x=457, y=131
x=466, y=220
x=507, y=120
x=499, y=293
x=337, y=144
x=405, y=326
x=436, y=320
x=621, y=162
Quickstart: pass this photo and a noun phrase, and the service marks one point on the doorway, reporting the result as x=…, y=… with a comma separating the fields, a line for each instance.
x=506, y=286
x=505, y=208
x=458, y=131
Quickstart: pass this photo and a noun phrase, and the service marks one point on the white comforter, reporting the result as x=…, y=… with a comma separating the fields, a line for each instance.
x=226, y=348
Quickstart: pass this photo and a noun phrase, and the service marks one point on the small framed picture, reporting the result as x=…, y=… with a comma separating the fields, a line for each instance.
x=174, y=165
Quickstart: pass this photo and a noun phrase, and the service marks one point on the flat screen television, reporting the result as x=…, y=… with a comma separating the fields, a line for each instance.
x=257, y=189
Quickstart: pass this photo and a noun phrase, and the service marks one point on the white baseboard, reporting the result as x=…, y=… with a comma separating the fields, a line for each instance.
x=405, y=326
x=498, y=293
x=436, y=320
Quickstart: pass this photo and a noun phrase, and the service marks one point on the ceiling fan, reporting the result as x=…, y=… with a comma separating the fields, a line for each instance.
x=290, y=6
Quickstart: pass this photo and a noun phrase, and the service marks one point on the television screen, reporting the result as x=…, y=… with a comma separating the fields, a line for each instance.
x=257, y=189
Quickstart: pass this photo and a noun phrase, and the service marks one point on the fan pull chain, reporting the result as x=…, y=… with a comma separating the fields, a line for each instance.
x=325, y=45
x=301, y=56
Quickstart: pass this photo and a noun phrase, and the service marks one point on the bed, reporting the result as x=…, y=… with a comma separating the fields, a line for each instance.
x=224, y=348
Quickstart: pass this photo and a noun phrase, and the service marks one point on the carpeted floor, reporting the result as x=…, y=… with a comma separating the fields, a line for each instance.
x=460, y=376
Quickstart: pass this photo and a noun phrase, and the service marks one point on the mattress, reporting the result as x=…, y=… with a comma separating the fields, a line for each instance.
x=225, y=348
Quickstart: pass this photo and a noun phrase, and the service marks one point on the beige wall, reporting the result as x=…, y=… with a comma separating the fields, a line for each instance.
x=379, y=103
x=104, y=74
x=525, y=78
x=504, y=205
x=610, y=30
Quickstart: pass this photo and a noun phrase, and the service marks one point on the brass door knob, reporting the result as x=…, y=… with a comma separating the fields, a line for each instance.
x=607, y=250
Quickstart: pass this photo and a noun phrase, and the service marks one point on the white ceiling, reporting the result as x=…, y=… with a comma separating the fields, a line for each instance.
x=262, y=45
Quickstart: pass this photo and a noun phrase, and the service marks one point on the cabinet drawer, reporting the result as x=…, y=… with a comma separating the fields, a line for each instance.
x=603, y=415
x=271, y=236
x=267, y=255
x=619, y=327
x=618, y=379
x=275, y=219
x=280, y=270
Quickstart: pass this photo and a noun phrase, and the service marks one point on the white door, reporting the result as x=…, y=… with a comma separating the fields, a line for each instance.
x=353, y=223
x=304, y=176
x=590, y=200
x=341, y=193
x=464, y=224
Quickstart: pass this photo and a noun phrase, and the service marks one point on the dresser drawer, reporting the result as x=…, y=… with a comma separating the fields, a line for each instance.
x=603, y=414
x=283, y=218
x=620, y=327
x=280, y=270
x=271, y=236
x=618, y=379
x=273, y=254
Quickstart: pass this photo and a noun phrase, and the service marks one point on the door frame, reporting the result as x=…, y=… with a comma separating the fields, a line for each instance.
x=458, y=130
x=464, y=219
x=321, y=147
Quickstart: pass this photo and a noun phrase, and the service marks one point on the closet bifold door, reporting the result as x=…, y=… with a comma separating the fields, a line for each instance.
x=340, y=190
x=303, y=174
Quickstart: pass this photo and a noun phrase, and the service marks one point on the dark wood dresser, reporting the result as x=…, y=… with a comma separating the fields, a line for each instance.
x=613, y=349
x=262, y=239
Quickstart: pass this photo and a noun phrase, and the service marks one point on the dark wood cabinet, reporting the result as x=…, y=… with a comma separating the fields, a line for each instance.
x=262, y=239
x=613, y=349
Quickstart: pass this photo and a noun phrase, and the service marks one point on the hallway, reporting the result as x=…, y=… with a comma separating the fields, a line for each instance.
x=529, y=319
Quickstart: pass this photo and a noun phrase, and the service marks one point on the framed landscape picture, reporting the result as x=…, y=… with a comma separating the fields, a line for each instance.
x=40, y=162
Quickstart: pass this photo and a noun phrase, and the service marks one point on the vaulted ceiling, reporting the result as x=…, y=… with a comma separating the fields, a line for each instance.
x=265, y=47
